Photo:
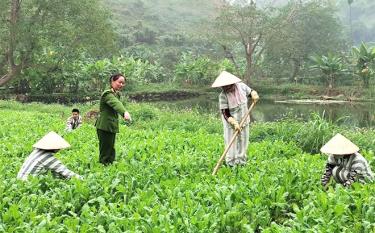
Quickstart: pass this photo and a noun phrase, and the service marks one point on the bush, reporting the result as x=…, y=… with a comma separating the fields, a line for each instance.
x=309, y=136
x=315, y=133
x=200, y=70
x=143, y=112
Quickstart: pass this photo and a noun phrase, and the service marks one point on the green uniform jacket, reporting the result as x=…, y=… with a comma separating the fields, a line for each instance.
x=110, y=108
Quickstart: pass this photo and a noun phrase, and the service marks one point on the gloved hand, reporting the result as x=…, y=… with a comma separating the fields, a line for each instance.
x=127, y=116
x=78, y=177
x=365, y=71
x=234, y=123
x=254, y=96
x=347, y=184
x=325, y=185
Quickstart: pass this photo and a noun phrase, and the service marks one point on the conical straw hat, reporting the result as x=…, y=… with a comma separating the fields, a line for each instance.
x=224, y=79
x=51, y=141
x=339, y=145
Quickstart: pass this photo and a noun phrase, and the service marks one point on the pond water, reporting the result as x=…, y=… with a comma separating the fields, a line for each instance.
x=351, y=114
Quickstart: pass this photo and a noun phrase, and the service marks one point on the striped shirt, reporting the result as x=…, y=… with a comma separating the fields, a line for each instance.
x=347, y=169
x=41, y=160
x=73, y=123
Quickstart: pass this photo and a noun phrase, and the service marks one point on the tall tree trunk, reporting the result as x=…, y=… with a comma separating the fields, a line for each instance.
x=229, y=55
x=330, y=84
x=350, y=21
x=296, y=68
x=249, y=62
x=366, y=81
x=9, y=76
x=13, y=69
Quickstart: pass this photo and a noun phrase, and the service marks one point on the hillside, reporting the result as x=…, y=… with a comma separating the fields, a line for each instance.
x=160, y=30
x=177, y=22
x=362, y=17
x=162, y=17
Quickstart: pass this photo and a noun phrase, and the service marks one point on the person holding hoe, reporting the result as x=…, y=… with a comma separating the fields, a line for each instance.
x=107, y=124
x=344, y=163
x=233, y=107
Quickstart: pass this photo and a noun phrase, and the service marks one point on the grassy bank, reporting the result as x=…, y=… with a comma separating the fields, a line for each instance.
x=301, y=91
x=161, y=180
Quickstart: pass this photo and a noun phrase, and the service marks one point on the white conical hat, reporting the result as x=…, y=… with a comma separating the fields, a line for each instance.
x=51, y=141
x=339, y=145
x=224, y=79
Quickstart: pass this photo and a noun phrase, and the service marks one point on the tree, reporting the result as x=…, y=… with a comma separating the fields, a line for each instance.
x=249, y=25
x=365, y=57
x=244, y=24
x=331, y=67
x=314, y=29
x=65, y=28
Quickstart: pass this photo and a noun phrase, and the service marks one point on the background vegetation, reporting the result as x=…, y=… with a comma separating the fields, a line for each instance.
x=72, y=48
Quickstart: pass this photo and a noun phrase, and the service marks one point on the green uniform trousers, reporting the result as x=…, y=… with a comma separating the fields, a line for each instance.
x=107, y=151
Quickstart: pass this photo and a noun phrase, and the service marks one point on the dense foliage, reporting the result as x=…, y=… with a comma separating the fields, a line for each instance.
x=50, y=48
x=161, y=180
x=44, y=37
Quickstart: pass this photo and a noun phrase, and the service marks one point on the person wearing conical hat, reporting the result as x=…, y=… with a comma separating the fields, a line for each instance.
x=345, y=163
x=42, y=158
x=233, y=107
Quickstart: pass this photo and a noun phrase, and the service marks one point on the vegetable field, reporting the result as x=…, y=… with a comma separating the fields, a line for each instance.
x=161, y=180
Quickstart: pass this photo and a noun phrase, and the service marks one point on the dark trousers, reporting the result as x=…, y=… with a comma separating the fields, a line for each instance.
x=107, y=151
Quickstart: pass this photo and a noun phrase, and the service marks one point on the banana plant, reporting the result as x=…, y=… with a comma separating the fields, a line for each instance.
x=330, y=66
x=365, y=57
